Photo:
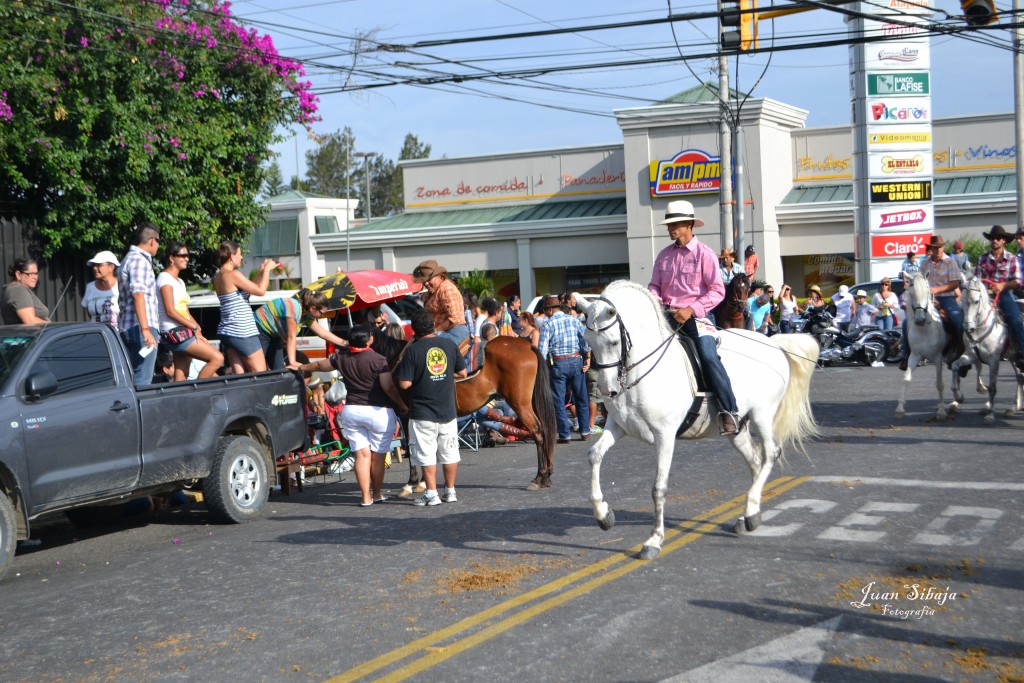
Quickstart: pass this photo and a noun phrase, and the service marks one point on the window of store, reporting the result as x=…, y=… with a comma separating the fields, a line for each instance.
x=278, y=237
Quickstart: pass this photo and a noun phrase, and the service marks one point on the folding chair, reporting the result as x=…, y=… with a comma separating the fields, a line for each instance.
x=470, y=434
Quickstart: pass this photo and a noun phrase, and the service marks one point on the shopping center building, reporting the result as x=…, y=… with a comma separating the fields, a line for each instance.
x=577, y=218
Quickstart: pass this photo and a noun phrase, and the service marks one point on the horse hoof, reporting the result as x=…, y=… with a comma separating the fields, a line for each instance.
x=953, y=407
x=900, y=414
x=1010, y=412
x=607, y=522
x=405, y=492
x=649, y=552
x=533, y=486
x=752, y=522
x=990, y=419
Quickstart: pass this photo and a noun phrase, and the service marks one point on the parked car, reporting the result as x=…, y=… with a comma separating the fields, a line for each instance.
x=78, y=432
x=583, y=299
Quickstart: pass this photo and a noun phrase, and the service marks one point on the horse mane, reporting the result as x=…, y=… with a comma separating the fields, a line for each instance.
x=920, y=291
x=629, y=287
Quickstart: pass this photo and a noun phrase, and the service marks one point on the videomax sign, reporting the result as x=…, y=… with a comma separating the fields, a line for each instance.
x=692, y=171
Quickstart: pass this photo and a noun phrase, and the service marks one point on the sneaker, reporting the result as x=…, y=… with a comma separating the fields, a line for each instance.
x=575, y=424
x=427, y=500
x=597, y=430
x=449, y=496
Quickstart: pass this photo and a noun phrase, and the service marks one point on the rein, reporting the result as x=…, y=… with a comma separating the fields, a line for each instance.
x=989, y=323
x=626, y=346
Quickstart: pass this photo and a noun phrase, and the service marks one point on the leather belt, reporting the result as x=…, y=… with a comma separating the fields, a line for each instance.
x=568, y=355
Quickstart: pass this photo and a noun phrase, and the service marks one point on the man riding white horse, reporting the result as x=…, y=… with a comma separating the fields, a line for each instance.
x=943, y=275
x=1001, y=272
x=687, y=280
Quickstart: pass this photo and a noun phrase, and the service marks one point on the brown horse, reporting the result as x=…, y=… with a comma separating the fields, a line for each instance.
x=729, y=313
x=514, y=370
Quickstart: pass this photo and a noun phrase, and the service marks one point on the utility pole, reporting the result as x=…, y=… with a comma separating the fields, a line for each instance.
x=1018, y=109
x=725, y=145
x=348, y=193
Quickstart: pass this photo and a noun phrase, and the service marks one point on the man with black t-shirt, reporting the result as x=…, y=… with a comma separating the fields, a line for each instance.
x=428, y=371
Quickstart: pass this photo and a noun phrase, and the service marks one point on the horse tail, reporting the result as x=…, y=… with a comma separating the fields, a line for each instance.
x=794, y=422
x=544, y=403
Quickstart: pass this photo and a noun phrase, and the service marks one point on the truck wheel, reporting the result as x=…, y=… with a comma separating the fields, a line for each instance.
x=8, y=534
x=237, y=488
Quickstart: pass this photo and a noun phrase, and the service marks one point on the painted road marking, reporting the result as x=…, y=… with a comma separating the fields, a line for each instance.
x=924, y=483
x=602, y=572
x=794, y=658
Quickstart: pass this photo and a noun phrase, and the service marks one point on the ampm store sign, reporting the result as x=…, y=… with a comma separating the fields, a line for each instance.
x=692, y=171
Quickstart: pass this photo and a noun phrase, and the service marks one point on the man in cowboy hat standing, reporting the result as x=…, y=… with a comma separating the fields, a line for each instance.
x=688, y=282
x=943, y=275
x=561, y=338
x=443, y=300
x=729, y=267
x=1002, y=270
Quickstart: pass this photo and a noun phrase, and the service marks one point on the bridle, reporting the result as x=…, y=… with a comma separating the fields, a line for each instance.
x=988, y=323
x=626, y=345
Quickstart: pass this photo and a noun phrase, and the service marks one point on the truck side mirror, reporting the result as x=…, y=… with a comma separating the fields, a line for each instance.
x=40, y=384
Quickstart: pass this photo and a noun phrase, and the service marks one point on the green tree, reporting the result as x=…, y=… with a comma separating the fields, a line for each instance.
x=116, y=111
x=297, y=183
x=274, y=183
x=330, y=166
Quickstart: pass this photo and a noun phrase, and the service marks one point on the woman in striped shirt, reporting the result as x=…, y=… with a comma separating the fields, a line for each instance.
x=239, y=337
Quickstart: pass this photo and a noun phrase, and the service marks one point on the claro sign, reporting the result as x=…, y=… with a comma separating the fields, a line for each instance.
x=889, y=246
x=692, y=171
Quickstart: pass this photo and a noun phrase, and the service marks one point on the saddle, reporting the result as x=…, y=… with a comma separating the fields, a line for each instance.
x=698, y=407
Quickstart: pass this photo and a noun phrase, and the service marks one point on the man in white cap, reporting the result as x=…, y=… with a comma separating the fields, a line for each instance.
x=687, y=280
x=845, y=308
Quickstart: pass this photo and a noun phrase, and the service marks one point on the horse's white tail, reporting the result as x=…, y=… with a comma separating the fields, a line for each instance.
x=794, y=422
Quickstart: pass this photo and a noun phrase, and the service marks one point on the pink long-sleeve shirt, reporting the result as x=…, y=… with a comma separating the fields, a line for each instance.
x=688, y=277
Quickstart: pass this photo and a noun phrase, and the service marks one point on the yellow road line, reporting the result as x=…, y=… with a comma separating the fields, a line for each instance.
x=697, y=527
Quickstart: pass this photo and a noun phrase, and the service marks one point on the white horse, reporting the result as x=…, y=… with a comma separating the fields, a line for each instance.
x=649, y=386
x=987, y=340
x=927, y=338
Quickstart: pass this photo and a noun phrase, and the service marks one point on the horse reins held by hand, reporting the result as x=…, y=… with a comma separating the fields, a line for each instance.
x=627, y=345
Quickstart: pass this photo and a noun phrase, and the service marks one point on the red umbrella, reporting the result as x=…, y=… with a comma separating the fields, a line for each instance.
x=360, y=289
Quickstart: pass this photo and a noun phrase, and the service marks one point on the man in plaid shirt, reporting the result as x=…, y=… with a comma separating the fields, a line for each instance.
x=562, y=340
x=136, y=283
x=1002, y=270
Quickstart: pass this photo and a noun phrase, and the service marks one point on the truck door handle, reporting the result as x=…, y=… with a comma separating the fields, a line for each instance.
x=119, y=407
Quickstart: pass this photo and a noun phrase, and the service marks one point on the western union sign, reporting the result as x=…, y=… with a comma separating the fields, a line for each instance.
x=906, y=191
x=898, y=83
x=915, y=137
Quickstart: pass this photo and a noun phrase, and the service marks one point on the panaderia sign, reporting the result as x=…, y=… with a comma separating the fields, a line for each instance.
x=692, y=171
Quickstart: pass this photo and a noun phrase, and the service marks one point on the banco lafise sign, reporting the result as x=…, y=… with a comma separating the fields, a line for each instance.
x=692, y=171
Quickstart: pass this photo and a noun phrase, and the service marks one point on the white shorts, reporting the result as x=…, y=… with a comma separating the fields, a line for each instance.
x=433, y=443
x=368, y=426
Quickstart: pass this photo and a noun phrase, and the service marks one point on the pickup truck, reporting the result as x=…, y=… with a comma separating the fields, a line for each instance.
x=74, y=430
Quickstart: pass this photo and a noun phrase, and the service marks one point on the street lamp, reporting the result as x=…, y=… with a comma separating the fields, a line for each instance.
x=366, y=173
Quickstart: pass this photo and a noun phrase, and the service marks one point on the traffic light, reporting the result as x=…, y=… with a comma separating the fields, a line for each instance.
x=979, y=12
x=739, y=25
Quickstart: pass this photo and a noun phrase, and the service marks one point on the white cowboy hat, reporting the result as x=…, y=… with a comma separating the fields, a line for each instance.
x=681, y=210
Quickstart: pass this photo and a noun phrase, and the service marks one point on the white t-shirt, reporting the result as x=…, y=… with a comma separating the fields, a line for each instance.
x=101, y=304
x=179, y=296
x=788, y=309
x=844, y=307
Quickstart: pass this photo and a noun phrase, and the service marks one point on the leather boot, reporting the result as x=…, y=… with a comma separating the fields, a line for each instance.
x=496, y=416
x=497, y=438
x=511, y=430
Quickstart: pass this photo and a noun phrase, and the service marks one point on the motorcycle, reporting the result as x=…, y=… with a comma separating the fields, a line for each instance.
x=867, y=346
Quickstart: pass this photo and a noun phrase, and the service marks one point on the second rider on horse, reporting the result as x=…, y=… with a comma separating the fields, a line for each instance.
x=687, y=280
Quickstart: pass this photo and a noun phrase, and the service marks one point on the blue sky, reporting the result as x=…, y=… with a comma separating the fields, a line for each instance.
x=519, y=113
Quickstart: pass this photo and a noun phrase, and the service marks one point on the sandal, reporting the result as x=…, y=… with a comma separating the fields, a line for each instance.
x=381, y=499
x=366, y=505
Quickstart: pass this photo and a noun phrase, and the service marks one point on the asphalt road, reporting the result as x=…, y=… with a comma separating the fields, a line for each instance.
x=508, y=584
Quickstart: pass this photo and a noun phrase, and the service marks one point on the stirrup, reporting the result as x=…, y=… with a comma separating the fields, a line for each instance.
x=721, y=423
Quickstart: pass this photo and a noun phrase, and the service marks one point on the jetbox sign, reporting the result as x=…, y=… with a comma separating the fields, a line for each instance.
x=902, y=218
x=692, y=171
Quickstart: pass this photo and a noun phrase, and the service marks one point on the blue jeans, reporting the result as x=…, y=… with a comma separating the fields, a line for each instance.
x=142, y=367
x=273, y=351
x=707, y=351
x=885, y=323
x=457, y=333
x=568, y=373
x=1011, y=315
x=954, y=314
